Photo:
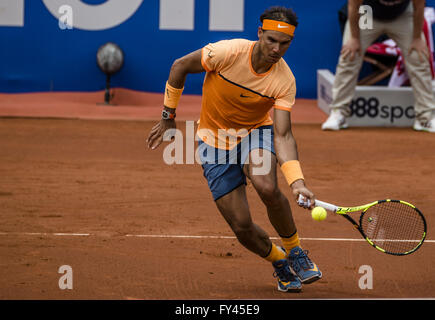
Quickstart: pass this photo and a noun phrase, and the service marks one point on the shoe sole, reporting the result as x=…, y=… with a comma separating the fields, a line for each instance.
x=423, y=130
x=340, y=128
x=312, y=279
x=308, y=280
x=295, y=290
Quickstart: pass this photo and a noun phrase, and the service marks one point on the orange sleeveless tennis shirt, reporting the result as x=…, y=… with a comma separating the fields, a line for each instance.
x=235, y=98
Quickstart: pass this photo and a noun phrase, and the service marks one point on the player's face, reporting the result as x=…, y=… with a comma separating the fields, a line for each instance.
x=273, y=44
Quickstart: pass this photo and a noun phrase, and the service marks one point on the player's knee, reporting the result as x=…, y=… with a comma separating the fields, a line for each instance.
x=268, y=192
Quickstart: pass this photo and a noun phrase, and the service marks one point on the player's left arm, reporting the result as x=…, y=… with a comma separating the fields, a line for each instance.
x=287, y=155
x=418, y=43
x=190, y=63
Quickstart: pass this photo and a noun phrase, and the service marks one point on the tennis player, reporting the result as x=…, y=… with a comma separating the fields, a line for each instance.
x=244, y=81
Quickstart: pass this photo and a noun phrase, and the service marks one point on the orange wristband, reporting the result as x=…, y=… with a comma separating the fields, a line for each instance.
x=292, y=171
x=172, y=96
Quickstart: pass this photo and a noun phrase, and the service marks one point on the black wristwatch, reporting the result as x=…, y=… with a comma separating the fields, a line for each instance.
x=166, y=115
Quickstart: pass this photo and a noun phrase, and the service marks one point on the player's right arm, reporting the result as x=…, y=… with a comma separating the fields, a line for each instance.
x=353, y=45
x=287, y=156
x=190, y=63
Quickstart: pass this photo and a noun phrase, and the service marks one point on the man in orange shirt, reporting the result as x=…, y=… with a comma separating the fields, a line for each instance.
x=244, y=81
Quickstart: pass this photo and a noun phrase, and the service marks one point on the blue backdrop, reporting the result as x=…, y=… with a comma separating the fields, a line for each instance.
x=39, y=56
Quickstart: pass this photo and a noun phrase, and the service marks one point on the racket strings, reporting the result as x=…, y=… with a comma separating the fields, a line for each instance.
x=393, y=226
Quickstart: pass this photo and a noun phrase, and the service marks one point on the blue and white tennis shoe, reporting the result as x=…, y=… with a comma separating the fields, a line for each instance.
x=303, y=267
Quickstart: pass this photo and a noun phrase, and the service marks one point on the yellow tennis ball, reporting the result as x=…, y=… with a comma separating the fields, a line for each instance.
x=318, y=213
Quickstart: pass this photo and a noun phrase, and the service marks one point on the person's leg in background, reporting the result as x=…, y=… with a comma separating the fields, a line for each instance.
x=346, y=77
x=418, y=69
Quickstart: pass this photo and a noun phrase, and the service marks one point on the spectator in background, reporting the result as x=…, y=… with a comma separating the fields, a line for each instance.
x=402, y=21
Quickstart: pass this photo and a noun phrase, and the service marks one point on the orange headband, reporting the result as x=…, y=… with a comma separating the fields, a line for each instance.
x=279, y=26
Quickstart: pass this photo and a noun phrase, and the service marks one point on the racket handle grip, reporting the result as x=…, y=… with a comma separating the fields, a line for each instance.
x=326, y=205
x=317, y=203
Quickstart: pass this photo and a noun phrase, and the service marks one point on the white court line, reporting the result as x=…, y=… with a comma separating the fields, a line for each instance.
x=174, y=236
x=45, y=234
x=233, y=237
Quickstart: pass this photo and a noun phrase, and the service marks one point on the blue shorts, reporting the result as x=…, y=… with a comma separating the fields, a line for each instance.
x=223, y=169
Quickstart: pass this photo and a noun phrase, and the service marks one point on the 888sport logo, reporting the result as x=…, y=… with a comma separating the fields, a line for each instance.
x=370, y=107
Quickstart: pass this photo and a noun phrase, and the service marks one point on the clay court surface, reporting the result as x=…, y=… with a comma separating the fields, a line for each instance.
x=80, y=188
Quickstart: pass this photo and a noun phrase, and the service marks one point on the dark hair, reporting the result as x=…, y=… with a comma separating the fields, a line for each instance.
x=280, y=14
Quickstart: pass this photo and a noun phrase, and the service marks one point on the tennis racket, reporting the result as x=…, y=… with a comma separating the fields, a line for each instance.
x=392, y=226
